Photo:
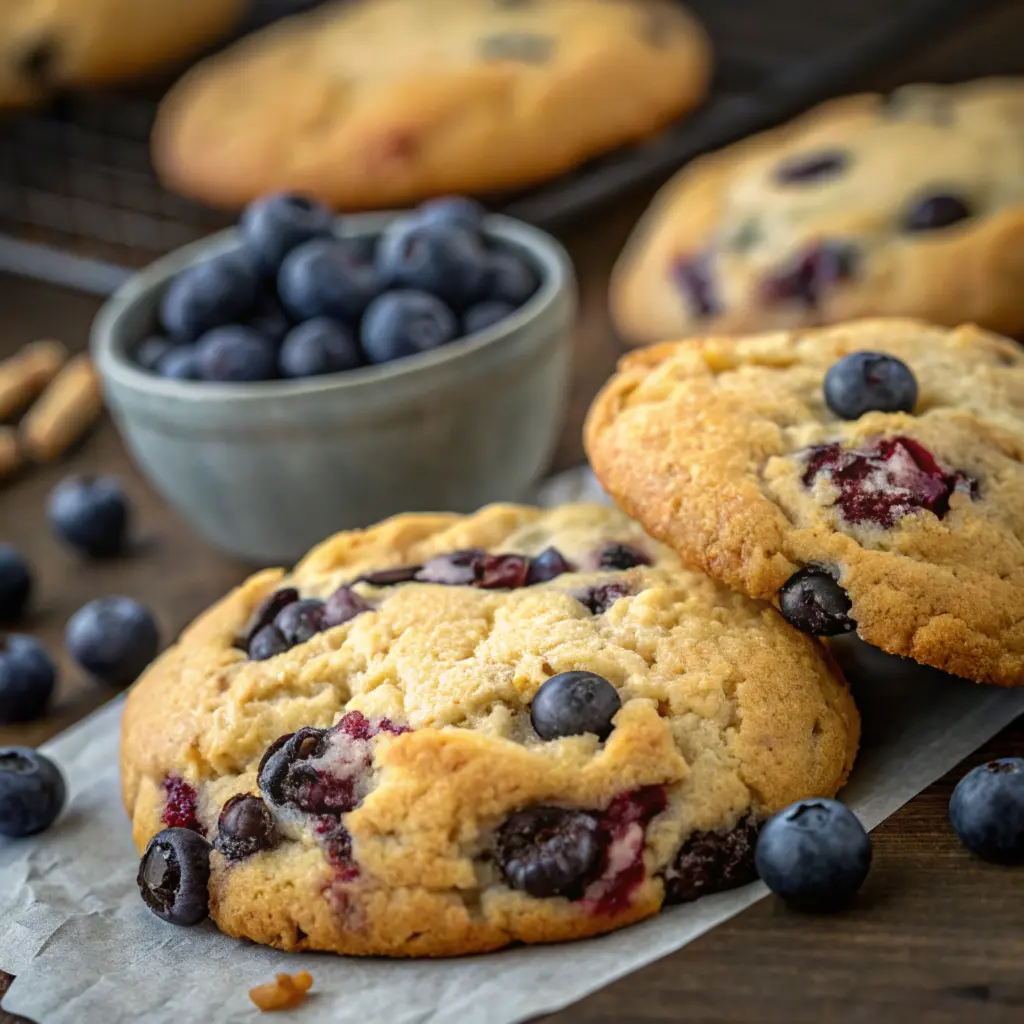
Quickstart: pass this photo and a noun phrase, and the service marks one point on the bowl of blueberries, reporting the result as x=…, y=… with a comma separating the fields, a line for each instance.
x=303, y=373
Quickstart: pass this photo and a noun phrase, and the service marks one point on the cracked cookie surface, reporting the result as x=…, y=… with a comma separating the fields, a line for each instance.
x=369, y=105
x=910, y=204
x=400, y=801
x=726, y=449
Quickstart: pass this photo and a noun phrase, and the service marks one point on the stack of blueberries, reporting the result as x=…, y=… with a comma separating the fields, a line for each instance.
x=295, y=300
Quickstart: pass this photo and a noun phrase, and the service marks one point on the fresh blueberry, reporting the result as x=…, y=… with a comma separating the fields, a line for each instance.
x=27, y=679
x=328, y=277
x=245, y=827
x=152, y=350
x=218, y=291
x=275, y=225
x=461, y=210
x=300, y=621
x=174, y=876
x=815, y=854
x=318, y=346
x=869, y=382
x=443, y=259
x=574, y=703
x=485, y=314
x=813, y=602
x=548, y=851
x=405, y=323
x=236, y=354
x=90, y=513
x=936, y=211
x=269, y=319
x=181, y=363
x=32, y=792
x=508, y=277
x=113, y=639
x=15, y=584
x=987, y=810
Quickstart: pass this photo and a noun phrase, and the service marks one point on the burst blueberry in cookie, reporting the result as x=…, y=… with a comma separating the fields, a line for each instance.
x=864, y=477
x=447, y=733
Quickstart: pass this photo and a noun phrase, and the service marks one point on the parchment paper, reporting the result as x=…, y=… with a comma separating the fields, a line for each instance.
x=85, y=948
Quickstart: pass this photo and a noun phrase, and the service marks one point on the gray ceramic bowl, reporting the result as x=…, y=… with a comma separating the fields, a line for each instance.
x=266, y=470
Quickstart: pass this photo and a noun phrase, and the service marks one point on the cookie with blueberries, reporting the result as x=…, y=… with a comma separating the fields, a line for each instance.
x=907, y=204
x=445, y=734
x=866, y=477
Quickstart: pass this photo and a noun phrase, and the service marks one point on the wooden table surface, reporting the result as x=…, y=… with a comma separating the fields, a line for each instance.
x=937, y=936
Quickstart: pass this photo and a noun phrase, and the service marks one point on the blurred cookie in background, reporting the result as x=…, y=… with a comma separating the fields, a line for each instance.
x=374, y=103
x=909, y=204
x=47, y=46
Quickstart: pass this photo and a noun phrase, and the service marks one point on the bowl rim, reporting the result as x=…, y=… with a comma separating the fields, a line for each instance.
x=111, y=353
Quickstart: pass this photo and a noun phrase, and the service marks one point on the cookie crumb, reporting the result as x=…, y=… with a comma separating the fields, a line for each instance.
x=285, y=992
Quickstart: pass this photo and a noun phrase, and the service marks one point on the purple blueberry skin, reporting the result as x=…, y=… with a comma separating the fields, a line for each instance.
x=217, y=291
x=27, y=679
x=32, y=792
x=863, y=382
x=987, y=810
x=152, y=350
x=509, y=277
x=406, y=323
x=317, y=347
x=91, y=514
x=328, y=278
x=274, y=225
x=486, y=314
x=574, y=703
x=181, y=363
x=461, y=210
x=113, y=639
x=15, y=584
x=236, y=354
x=269, y=319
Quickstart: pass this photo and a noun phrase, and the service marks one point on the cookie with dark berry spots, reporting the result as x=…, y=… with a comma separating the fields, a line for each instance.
x=910, y=204
x=370, y=104
x=49, y=46
x=865, y=477
x=445, y=734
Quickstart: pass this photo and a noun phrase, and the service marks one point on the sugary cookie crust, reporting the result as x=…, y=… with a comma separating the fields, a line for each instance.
x=379, y=103
x=723, y=703
x=704, y=441
x=730, y=214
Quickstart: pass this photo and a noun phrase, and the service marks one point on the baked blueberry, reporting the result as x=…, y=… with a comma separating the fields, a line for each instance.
x=548, y=851
x=712, y=861
x=815, y=854
x=930, y=213
x=987, y=810
x=811, y=273
x=328, y=277
x=813, y=602
x=265, y=614
x=509, y=277
x=152, y=350
x=212, y=293
x=461, y=210
x=405, y=323
x=235, y=354
x=316, y=347
x=27, y=679
x=300, y=621
x=694, y=276
x=598, y=599
x=113, y=639
x=621, y=556
x=547, y=565
x=869, y=382
x=174, y=876
x=485, y=314
x=285, y=777
x=274, y=225
x=820, y=166
x=344, y=604
x=91, y=513
x=445, y=260
x=181, y=363
x=245, y=827
x=15, y=584
x=267, y=643
x=32, y=792
x=574, y=703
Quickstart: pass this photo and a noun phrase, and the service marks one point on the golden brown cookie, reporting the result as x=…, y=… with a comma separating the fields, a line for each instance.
x=910, y=204
x=401, y=798
x=50, y=45
x=726, y=449
x=374, y=103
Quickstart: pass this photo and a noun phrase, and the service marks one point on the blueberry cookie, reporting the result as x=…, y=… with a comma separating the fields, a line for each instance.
x=47, y=46
x=445, y=734
x=376, y=103
x=910, y=204
x=867, y=476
